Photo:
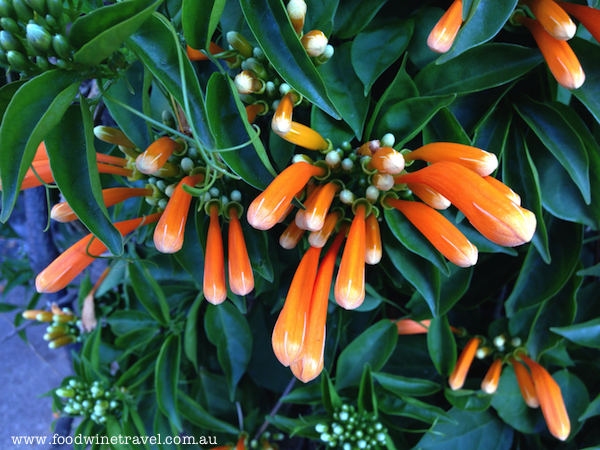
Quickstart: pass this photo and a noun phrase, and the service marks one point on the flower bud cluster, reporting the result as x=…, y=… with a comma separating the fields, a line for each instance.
x=94, y=400
x=64, y=325
x=351, y=430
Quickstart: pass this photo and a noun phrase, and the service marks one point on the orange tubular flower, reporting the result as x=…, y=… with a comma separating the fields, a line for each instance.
x=297, y=11
x=442, y=36
x=553, y=18
x=512, y=195
x=551, y=400
x=113, y=136
x=268, y=207
x=88, y=314
x=290, y=330
x=589, y=17
x=305, y=137
x=429, y=196
x=214, y=286
x=310, y=365
x=62, y=212
x=76, y=258
x=438, y=230
x=197, y=55
x=282, y=119
x=253, y=110
x=459, y=374
x=314, y=42
x=479, y=161
x=319, y=238
x=560, y=58
x=41, y=154
x=373, y=248
x=492, y=377
x=156, y=155
x=409, y=326
x=311, y=196
x=350, y=281
x=291, y=236
x=387, y=160
x=314, y=216
x=241, y=278
x=168, y=235
x=489, y=211
x=525, y=384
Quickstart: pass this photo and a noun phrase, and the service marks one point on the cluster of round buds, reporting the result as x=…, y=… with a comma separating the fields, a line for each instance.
x=94, y=400
x=350, y=430
x=63, y=326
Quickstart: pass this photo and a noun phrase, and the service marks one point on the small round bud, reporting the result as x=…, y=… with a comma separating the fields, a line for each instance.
x=270, y=88
x=388, y=140
x=187, y=165
x=361, y=444
x=359, y=434
x=314, y=42
x=383, y=181
x=61, y=46
x=207, y=197
x=62, y=64
x=499, y=341
x=347, y=197
x=516, y=341
x=326, y=56
x=10, y=25
x=7, y=10
x=325, y=437
x=337, y=429
x=214, y=192
x=38, y=6
x=372, y=194
x=170, y=189
x=24, y=12
x=482, y=352
x=65, y=392
x=240, y=43
x=346, y=146
x=247, y=83
x=236, y=196
x=284, y=88
x=321, y=428
x=42, y=62
x=224, y=200
x=10, y=42
x=380, y=437
x=343, y=416
x=161, y=185
x=347, y=164
x=162, y=203
x=258, y=53
x=333, y=159
x=55, y=7
x=39, y=37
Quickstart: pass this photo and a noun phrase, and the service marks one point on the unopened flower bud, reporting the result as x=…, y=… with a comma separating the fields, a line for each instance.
x=7, y=10
x=24, y=12
x=383, y=181
x=372, y=194
x=499, y=341
x=170, y=189
x=296, y=9
x=236, y=196
x=240, y=43
x=516, y=341
x=247, y=83
x=347, y=197
x=270, y=88
x=62, y=341
x=187, y=165
x=10, y=25
x=482, y=352
x=39, y=37
x=65, y=392
x=314, y=42
x=347, y=164
x=55, y=8
x=38, y=6
x=256, y=67
x=387, y=160
x=326, y=56
x=388, y=140
x=61, y=46
x=333, y=159
x=321, y=428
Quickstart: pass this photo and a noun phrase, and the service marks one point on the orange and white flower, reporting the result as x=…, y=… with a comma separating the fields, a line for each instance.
x=443, y=34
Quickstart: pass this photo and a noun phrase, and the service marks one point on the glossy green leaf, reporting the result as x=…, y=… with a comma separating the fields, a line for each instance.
x=413, y=408
x=477, y=69
x=149, y=292
x=586, y=334
x=76, y=174
x=337, y=131
x=378, y=46
x=468, y=400
x=558, y=137
x=352, y=16
x=257, y=244
x=269, y=21
x=7, y=92
x=306, y=395
x=303, y=426
x=575, y=395
x=133, y=126
x=166, y=379
x=330, y=397
x=485, y=21
x=538, y=281
x=190, y=336
x=475, y=431
x=347, y=97
x=592, y=410
x=197, y=415
x=228, y=329
x=491, y=134
x=441, y=345
x=374, y=346
x=418, y=51
x=37, y=106
x=281, y=151
x=400, y=386
x=230, y=127
x=423, y=275
x=197, y=29
x=139, y=371
x=320, y=14
x=589, y=93
x=155, y=46
x=367, y=402
x=98, y=34
x=444, y=127
x=123, y=322
x=520, y=174
x=113, y=428
x=406, y=119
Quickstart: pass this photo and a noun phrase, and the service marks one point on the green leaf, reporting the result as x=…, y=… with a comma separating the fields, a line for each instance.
x=149, y=293
x=320, y=15
x=475, y=431
x=418, y=51
x=401, y=386
x=558, y=137
x=444, y=127
x=378, y=46
x=101, y=32
x=190, y=336
x=486, y=20
x=592, y=410
x=166, y=379
x=228, y=329
x=415, y=409
x=346, y=96
x=7, y=92
x=36, y=107
x=197, y=29
x=139, y=371
x=113, y=428
x=586, y=334
x=257, y=244
x=406, y=119
x=576, y=397
x=331, y=399
x=281, y=151
x=306, y=395
x=354, y=15
x=374, y=346
x=123, y=322
x=197, y=415
x=589, y=94
x=367, y=402
x=230, y=127
x=441, y=345
x=468, y=400
x=268, y=21
x=155, y=46
x=491, y=133
x=336, y=130
x=477, y=69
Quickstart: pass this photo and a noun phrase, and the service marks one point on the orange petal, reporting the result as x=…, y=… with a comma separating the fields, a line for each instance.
x=553, y=18
x=438, y=230
x=512, y=195
x=319, y=238
x=489, y=211
x=373, y=248
x=253, y=110
x=75, y=259
x=156, y=155
x=315, y=214
x=442, y=36
x=429, y=196
x=282, y=119
x=108, y=159
x=479, y=161
x=241, y=278
x=290, y=330
x=525, y=384
x=197, y=55
x=291, y=236
x=459, y=374
x=214, y=286
x=168, y=235
x=350, y=281
x=41, y=154
x=311, y=196
x=589, y=17
x=409, y=326
x=305, y=137
x=492, y=377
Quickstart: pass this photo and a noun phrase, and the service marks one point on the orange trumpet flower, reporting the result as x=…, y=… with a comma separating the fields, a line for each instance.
x=589, y=17
x=155, y=156
x=272, y=203
x=512, y=195
x=492, y=377
x=350, y=281
x=319, y=238
x=553, y=18
x=525, y=384
x=197, y=55
x=409, y=326
x=311, y=196
x=443, y=34
x=429, y=196
x=80, y=255
x=290, y=330
x=215, y=288
x=253, y=110
x=438, y=230
x=241, y=278
x=459, y=374
x=489, y=211
x=282, y=119
x=479, y=161
x=168, y=235
x=373, y=248
x=316, y=212
x=305, y=137
x=113, y=136
x=291, y=236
